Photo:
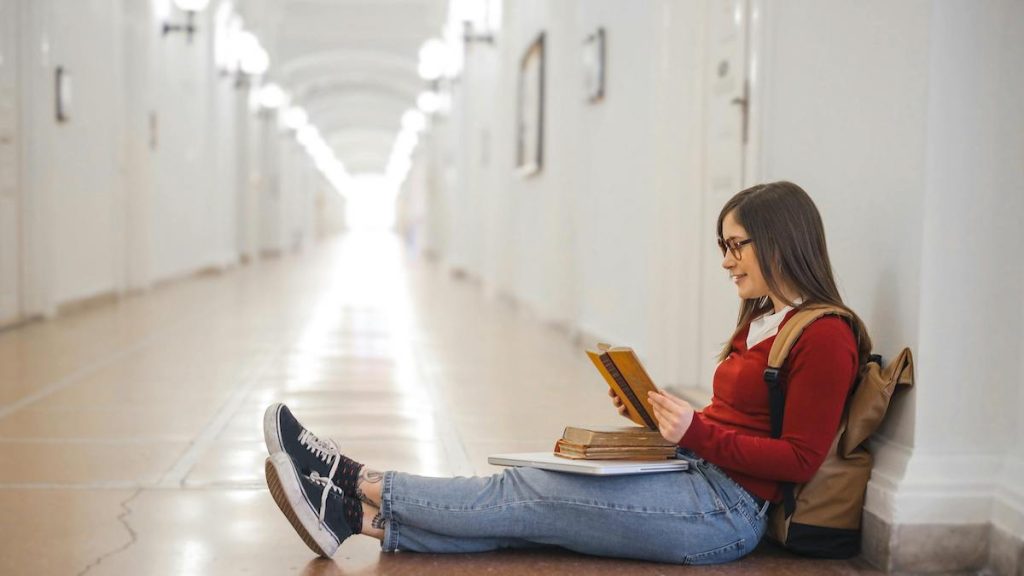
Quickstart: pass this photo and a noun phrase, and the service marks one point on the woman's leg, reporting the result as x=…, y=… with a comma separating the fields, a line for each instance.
x=374, y=525
x=699, y=516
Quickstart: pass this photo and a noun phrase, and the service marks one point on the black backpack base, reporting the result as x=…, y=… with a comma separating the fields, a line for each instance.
x=823, y=542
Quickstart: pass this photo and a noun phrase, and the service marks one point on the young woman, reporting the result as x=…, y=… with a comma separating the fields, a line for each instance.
x=773, y=247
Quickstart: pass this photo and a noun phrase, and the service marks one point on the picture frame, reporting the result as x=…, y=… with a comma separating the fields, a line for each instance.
x=594, y=66
x=530, y=109
x=62, y=95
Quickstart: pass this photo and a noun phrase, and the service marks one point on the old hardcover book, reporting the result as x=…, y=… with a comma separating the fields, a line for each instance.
x=627, y=378
x=614, y=436
x=583, y=452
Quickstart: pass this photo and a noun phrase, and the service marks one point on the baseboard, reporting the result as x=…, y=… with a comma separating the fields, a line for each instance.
x=463, y=275
x=87, y=303
x=912, y=487
x=588, y=336
x=942, y=548
x=18, y=322
x=925, y=548
x=1008, y=506
x=1006, y=553
x=944, y=513
x=211, y=270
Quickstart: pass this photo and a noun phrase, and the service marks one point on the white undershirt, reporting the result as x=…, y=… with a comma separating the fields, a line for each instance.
x=766, y=326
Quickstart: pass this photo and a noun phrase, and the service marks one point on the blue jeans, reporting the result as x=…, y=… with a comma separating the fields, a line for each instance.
x=699, y=516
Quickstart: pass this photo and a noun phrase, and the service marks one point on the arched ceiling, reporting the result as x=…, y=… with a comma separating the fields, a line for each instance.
x=352, y=64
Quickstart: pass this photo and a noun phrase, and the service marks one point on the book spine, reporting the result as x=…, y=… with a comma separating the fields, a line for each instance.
x=628, y=391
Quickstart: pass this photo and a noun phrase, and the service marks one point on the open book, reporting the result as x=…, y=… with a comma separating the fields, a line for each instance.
x=628, y=379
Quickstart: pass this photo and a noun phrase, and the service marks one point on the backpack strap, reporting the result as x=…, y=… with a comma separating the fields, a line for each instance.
x=784, y=342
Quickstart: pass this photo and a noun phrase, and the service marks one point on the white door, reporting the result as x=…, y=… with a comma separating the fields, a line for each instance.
x=10, y=252
x=726, y=143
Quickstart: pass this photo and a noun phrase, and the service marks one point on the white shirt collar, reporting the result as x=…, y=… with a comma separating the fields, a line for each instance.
x=767, y=326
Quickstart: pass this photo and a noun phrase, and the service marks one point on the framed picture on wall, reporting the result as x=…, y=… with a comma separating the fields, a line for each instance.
x=62, y=95
x=530, y=110
x=593, y=66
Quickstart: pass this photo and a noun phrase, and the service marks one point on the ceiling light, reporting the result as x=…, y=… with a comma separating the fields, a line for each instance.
x=428, y=102
x=432, y=59
x=413, y=121
x=295, y=118
x=191, y=5
x=227, y=25
x=271, y=97
x=253, y=58
x=308, y=135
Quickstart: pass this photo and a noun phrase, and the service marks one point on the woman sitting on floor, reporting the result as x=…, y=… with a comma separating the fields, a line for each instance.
x=773, y=247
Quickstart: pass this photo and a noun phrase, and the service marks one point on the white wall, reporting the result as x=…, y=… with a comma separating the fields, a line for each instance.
x=198, y=156
x=224, y=191
x=594, y=240
x=847, y=121
x=905, y=143
x=160, y=171
x=901, y=122
x=77, y=173
x=971, y=272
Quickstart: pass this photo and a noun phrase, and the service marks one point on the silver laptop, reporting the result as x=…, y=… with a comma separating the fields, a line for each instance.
x=548, y=461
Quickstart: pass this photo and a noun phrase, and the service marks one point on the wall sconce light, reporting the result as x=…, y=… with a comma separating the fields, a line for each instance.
x=190, y=8
x=469, y=36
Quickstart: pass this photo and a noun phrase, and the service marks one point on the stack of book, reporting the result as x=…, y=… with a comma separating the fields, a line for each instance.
x=613, y=443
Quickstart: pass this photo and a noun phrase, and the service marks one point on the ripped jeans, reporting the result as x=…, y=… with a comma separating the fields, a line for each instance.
x=697, y=516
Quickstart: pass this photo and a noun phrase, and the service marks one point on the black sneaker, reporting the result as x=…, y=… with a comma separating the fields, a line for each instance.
x=316, y=508
x=283, y=433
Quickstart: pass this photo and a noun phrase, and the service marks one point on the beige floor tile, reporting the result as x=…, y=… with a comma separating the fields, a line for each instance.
x=85, y=464
x=178, y=421
x=230, y=464
x=58, y=531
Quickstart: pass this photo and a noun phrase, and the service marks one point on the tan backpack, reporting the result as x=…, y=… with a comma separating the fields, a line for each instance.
x=822, y=517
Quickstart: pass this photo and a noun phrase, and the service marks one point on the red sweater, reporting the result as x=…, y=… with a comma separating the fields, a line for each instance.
x=734, y=431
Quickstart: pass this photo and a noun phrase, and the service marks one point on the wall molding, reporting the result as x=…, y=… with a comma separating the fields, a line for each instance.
x=1008, y=503
x=912, y=487
x=928, y=512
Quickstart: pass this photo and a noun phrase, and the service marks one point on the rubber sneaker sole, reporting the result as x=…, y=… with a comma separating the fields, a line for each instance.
x=286, y=488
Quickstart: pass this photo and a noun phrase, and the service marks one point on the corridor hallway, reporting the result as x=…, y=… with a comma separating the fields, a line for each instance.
x=131, y=433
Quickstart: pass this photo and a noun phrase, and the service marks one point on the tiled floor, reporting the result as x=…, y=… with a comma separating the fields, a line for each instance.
x=130, y=434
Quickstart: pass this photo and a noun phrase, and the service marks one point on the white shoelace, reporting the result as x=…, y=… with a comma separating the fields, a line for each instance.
x=330, y=453
x=323, y=449
x=328, y=486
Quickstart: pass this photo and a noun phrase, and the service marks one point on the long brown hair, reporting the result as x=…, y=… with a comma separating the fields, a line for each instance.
x=790, y=242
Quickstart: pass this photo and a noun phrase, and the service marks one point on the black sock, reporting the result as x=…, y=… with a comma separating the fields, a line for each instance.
x=352, y=514
x=347, y=476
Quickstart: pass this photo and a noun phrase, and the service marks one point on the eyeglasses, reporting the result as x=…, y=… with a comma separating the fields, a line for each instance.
x=734, y=246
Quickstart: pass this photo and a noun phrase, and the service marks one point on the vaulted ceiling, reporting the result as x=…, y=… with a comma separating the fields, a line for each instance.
x=351, y=63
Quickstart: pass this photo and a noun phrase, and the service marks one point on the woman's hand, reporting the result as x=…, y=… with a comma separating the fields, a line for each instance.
x=618, y=404
x=673, y=415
